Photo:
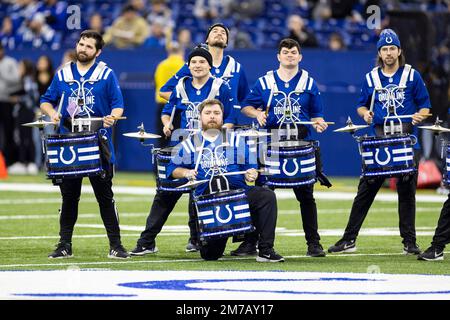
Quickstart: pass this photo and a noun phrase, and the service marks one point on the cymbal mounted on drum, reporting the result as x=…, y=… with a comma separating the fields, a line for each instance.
x=350, y=127
x=436, y=128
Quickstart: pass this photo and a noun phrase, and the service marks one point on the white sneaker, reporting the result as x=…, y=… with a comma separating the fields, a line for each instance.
x=32, y=169
x=17, y=168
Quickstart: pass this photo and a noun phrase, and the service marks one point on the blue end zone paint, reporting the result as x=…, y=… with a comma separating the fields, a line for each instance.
x=183, y=285
x=76, y=295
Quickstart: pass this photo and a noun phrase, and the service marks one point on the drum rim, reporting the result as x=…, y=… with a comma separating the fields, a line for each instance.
x=221, y=194
x=70, y=134
x=303, y=144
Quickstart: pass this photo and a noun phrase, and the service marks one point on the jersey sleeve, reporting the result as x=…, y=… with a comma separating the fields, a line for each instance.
x=168, y=107
x=420, y=92
x=316, y=105
x=254, y=97
x=53, y=93
x=181, y=157
x=364, y=96
x=114, y=92
x=230, y=105
x=243, y=88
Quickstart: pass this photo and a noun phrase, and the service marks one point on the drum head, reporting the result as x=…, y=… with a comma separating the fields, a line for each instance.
x=290, y=144
x=70, y=134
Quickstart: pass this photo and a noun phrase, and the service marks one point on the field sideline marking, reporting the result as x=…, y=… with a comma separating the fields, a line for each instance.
x=133, y=261
x=281, y=194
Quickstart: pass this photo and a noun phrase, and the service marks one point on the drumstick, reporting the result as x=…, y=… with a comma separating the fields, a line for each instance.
x=60, y=103
x=407, y=116
x=239, y=172
x=172, y=115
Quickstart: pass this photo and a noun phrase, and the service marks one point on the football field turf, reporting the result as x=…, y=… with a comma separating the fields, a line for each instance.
x=29, y=230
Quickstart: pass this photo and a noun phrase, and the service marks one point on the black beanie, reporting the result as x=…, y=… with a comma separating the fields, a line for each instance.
x=218, y=25
x=202, y=52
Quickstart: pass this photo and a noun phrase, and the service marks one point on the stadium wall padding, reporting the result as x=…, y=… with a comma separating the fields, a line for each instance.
x=338, y=74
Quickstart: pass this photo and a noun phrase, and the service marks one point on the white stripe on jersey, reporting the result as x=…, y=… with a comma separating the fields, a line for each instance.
x=102, y=72
x=310, y=83
x=263, y=85
x=238, y=67
x=107, y=74
x=189, y=143
x=185, y=146
x=60, y=75
x=411, y=75
x=369, y=82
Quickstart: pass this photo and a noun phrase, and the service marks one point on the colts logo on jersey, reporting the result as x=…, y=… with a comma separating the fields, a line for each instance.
x=391, y=96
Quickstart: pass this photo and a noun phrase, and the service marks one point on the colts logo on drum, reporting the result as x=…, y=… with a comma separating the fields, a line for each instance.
x=384, y=156
x=391, y=96
x=69, y=155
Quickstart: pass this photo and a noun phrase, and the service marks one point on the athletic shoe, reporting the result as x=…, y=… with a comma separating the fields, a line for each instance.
x=245, y=249
x=315, y=250
x=343, y=246
x=118, y=252
x=63, y=250
x=140, y=250
x=192, y=247
x=432, y=254
x=269, y=256
x=411, y=248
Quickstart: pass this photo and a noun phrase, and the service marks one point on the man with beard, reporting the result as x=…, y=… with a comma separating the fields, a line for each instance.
x=224, y=67
x=87, y=88
x=234, y=157
x=392, y=84
x=188, y=94
x=267, y=101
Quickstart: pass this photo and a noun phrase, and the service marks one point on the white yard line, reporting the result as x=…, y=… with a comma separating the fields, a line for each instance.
x=281, y=194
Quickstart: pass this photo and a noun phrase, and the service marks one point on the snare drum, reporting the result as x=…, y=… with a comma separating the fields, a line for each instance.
x=164, y=183
x=289, y=164
x=72, y=155
x=387, y=156
x=223, y=214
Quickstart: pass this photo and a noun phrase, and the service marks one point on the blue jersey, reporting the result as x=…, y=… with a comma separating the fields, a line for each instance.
x=301, y=93
x=240, y=155
x=229, y=70
x=390, y=94
x=195, y=96
x=98, y=88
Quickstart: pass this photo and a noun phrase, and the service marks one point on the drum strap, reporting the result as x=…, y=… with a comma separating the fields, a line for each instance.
x=217, y=82
x=98, y=71
x=404, y=78
x=270, y=77
x=181, y=90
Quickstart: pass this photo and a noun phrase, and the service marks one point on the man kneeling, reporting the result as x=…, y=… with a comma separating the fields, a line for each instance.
x=206, y=156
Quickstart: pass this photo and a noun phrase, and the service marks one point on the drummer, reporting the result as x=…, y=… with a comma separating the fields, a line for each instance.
x=392, y=87
x=87, y=88
x=268, y=108
x=189, y=92
x=201, y=162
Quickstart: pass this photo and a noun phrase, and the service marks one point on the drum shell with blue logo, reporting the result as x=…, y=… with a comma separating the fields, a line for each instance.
x=223, y=214
x=163, y=182
x=72, y=155
x=289, y=164
x=387, y=156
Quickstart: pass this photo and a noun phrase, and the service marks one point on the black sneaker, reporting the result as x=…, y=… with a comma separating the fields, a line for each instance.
x=411, y=248
x=343, y=246
x=269, y=256
x=140, y=250
x=245, y=249
x=315, y=250
x=192, y=247
x=63, y=250
x=118, y=252
x=432, y=254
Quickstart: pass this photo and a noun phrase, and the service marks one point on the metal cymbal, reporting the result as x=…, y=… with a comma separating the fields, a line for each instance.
x=435, y=128
x=141, y=135
x=351, y=128
x=192, y=184
x=38, y=124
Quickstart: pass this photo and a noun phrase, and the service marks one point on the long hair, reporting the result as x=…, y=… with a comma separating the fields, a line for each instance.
x=401, y=60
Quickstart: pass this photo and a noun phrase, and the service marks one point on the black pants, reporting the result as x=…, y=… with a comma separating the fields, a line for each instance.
x=26, y=152
x=368, y=189
x=442, y=233
x=162, y=206
x=263, y=210
x=71, y=191
x=308, y=211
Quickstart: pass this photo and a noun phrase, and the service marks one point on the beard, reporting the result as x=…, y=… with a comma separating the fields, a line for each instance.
x=84, y=58
x=218, y=43
x=390, y=61
x=212, y=125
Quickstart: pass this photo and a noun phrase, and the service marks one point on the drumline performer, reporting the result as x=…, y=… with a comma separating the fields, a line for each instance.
x=188, y=94
x=203, y=161
x=393, y=100
x=87, y=88
x=268, y=102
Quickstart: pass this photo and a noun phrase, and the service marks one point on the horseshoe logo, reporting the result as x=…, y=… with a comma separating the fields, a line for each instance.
x=388, y=39
x=388, y=158
x=72, y=160
x=292, y=173
x=230, y=214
